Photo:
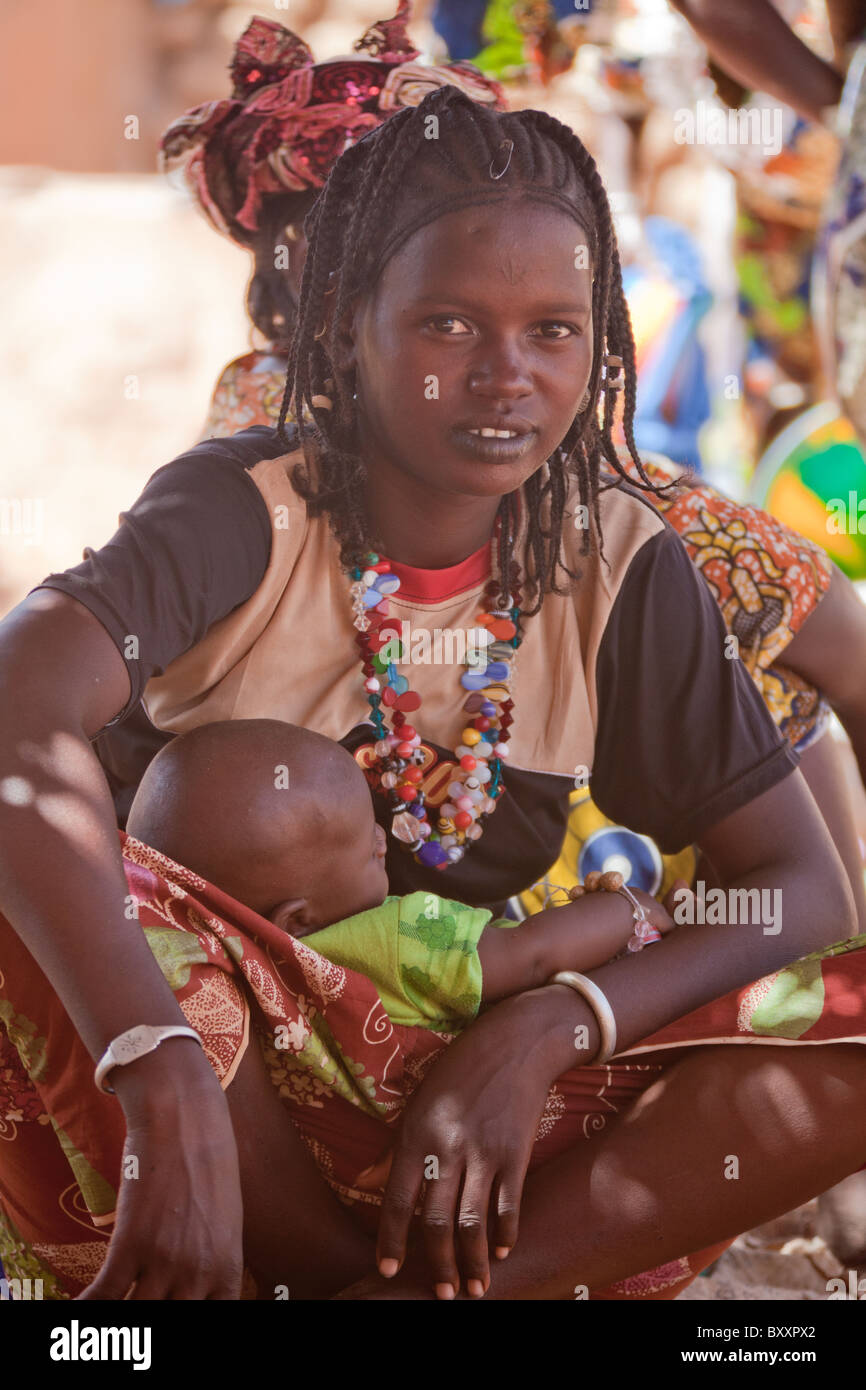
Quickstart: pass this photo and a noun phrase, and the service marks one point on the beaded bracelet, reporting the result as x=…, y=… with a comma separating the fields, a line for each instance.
x=597, y=882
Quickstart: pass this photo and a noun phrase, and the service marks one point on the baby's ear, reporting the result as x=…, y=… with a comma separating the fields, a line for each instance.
x=293, y=916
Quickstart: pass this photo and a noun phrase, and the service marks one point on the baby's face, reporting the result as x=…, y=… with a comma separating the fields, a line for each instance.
x=352, y=876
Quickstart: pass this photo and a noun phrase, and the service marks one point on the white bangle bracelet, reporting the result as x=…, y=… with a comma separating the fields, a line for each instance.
x=135, y=1043
x=600, y=1006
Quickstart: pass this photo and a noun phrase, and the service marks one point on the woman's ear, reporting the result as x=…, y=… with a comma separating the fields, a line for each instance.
x=293, y=916
x=345, y=354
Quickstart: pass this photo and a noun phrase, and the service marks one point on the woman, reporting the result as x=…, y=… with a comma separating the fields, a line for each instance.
x=453, y=370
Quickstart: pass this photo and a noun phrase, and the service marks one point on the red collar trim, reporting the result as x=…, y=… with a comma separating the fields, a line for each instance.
x=436, y=586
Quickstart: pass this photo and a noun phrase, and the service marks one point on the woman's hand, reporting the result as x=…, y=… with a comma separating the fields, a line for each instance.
x=469, y=1130
x=178, y=1233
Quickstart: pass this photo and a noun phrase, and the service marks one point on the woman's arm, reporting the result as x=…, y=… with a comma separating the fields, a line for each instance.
x=829, y=651
x=63, y=889
x=751, y=41
x=479, y=1106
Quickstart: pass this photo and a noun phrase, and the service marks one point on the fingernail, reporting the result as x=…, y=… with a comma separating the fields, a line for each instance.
x=475, y=1288
x=388, y=1268
x=503, y=1251
x=445, y=1291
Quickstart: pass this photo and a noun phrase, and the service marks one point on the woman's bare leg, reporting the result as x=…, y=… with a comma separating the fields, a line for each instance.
x=297, y=1236
x=658, y=1185
x=842, y=1210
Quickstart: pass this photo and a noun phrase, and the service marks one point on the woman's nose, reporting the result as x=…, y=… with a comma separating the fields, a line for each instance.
x=500, y=373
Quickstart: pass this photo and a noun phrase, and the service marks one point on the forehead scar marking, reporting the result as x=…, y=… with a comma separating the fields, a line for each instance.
x=510, y=267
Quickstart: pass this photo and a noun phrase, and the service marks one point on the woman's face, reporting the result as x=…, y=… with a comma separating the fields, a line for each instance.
x=482, y=321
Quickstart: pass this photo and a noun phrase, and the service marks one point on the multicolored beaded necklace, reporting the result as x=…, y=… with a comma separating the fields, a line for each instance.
x=477, y=783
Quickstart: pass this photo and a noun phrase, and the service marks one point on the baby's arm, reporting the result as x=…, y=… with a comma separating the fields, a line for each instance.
x=579, y=936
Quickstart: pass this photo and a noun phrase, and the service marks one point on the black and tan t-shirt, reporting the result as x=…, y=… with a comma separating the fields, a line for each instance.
x=241, y=610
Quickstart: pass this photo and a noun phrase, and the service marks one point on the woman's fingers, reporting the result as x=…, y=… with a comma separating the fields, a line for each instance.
x=676, y=896
x=398, y=1207
x=117, y=1276
x=507, y=1210
x=438, y=1221
x=472, y=1233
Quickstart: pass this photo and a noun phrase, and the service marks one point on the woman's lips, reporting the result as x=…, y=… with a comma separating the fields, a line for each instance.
x=499, y=444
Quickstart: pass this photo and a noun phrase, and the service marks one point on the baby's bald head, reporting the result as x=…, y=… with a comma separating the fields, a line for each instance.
x=268, y=812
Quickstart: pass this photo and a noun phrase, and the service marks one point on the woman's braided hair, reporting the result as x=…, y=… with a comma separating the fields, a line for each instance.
x=392, y=178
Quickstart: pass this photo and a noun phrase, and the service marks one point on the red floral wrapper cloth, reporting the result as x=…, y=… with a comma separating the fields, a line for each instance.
x=342, y=1068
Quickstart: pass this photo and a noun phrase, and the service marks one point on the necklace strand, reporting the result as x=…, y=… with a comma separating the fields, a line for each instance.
x=436, y=838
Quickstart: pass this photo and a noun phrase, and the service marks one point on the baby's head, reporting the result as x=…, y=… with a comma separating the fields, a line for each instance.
x=277, y=816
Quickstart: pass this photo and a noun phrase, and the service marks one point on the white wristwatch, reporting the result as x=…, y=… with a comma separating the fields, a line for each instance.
x=135, y=1043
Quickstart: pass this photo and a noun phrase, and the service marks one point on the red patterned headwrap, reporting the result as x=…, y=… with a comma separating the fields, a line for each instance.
x=289, y=118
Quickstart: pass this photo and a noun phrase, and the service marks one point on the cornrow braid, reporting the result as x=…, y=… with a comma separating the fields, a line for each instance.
x=392, y=181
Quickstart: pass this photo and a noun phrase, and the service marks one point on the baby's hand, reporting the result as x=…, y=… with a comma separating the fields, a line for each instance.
x=677, y=897
x=658, y=914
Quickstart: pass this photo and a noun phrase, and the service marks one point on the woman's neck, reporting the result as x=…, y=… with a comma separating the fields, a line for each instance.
x=423, y=528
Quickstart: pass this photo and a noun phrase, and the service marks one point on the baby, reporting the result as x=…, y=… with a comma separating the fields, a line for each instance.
x=282, y=820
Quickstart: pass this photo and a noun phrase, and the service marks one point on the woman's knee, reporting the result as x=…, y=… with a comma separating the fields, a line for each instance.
x=803, y=1092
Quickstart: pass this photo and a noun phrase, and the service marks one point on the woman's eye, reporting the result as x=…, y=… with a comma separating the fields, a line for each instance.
x=557, y=331
x=450, y=325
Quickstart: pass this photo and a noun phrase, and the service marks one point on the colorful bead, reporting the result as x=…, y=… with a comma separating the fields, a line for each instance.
x=462, y=820
x=432, y=854
x=468, y=763
x=470, y=737
x=497, y=671
x=474, y=680
x=372, y=685
x=406, y=828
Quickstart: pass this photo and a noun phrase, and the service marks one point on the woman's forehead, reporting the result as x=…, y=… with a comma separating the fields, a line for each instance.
x=512, y=242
